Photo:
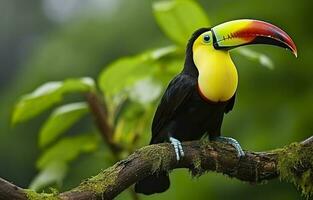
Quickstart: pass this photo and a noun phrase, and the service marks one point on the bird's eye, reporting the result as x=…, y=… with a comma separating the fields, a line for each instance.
x=206, y=38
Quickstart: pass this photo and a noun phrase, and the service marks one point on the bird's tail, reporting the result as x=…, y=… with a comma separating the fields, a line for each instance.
x=156, y=183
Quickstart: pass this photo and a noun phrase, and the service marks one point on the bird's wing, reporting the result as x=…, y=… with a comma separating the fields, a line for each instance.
x=230, y=104
x=176, y=95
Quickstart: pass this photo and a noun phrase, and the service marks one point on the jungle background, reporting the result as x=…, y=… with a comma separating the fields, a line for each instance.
x=53, y=40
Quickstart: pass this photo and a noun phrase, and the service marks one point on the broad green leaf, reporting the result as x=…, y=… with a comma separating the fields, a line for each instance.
x=41, y=99
x=84, y=84
x=46, y=96
x=125, y=72
x=145, y=91
x=263, y=59
x=53, y=173
x=179, y=19
x=68, y=149
x=168, y=68
x=60, y=121
x=163, y=52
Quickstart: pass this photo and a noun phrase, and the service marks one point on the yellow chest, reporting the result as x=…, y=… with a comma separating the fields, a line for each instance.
x=218, y=78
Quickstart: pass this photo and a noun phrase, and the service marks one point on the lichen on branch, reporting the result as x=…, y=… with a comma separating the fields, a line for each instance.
x=295, y=165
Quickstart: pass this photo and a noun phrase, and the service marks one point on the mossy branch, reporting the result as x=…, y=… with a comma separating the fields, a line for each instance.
x=293, y=163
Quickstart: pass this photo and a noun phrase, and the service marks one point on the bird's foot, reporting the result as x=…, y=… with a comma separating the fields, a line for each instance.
x=178, y=148
x=233, y=142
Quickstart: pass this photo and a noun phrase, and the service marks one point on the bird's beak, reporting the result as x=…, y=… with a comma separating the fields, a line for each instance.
x=247, y=31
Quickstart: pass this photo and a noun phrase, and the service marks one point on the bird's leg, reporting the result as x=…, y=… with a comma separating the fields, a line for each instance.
x=177, y=147
x=232, y=142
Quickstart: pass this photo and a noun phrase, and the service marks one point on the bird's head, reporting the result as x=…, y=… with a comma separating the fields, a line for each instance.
x=208, y=50
x=232, y=34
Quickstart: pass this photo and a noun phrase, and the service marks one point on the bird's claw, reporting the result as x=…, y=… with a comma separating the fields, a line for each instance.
x=178, y=148
x=233, y=142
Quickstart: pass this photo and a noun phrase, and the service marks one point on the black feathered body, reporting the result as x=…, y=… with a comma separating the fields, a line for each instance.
x=185, y=114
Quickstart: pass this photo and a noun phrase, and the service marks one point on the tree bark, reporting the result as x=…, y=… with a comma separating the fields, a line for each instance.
x=10, y=191
x=200, y=157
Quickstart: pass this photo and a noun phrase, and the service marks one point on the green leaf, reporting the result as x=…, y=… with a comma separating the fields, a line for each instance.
x=68, y=149
x=125, y=72
x=60, y=121
x=84, y=84
x=263, y=59
x=145, y=91
x=163, y=52
x=46, y=96
x=179, y=19
x=53, y=173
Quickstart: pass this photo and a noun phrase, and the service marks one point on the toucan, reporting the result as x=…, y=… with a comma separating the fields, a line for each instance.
x=196, y=100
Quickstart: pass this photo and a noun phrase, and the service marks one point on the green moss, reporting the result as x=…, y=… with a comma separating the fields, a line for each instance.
x=102, y=181
x=32, y=195
x=295, y=164
x=159, y=155
x=197, y=167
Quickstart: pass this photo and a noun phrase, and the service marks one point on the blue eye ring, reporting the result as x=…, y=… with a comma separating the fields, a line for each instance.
x=206, y=38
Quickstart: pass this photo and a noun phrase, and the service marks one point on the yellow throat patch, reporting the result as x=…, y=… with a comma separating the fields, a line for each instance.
x=218, y=78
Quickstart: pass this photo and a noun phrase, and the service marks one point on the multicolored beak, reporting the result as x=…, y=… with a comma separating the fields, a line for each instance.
x=247, y=31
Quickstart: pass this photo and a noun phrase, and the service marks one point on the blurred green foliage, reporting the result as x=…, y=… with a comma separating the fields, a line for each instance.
x=273, y=107
x=60, y=121
x=46, y=96
x=171, y=17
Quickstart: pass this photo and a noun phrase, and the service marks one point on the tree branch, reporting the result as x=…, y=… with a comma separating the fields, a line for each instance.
x=10, y=191
x=293, y=163
x=99, y=111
